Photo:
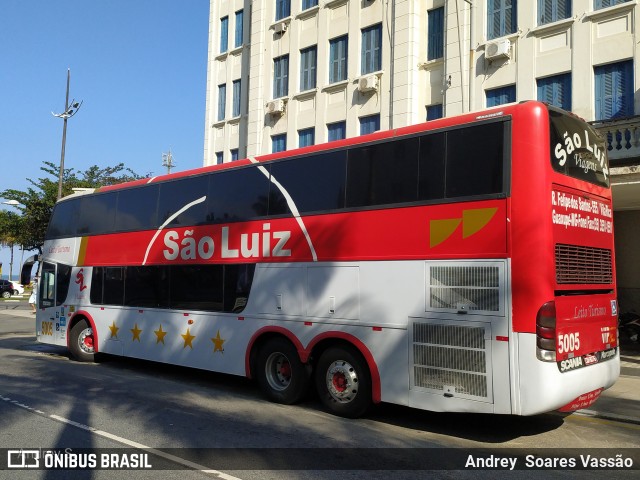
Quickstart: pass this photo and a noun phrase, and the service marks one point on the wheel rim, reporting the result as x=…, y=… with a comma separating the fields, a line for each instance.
x=342, y=381
x=278, y=371
x=85, y=340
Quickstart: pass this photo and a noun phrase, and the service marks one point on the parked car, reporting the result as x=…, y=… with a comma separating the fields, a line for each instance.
x=17, y=288
x=6, y=288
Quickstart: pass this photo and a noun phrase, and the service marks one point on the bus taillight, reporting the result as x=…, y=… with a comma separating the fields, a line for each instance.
x=546, y=332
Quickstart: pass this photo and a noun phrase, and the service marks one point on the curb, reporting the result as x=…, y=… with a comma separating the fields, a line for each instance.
x=608, y=416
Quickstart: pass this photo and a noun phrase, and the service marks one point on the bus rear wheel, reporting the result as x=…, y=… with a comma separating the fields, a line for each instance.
x=81, y=342
x=282, y=376
x=343, y=382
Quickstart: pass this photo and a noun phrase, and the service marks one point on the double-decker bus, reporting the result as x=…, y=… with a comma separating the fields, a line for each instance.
x=464, y=264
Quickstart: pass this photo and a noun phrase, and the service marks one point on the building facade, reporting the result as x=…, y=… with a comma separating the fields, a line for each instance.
x=289, y=73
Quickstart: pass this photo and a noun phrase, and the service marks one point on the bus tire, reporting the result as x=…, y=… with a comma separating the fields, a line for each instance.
x=343, y=382
x=81, y=342
x=281, y=375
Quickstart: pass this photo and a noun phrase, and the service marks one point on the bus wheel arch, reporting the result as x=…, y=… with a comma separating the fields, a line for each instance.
x=345, y=374
x=276, y=364
x=82, y=339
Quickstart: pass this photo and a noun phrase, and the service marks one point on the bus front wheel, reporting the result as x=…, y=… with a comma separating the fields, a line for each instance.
x=343, y=382
x=81, y=342
x=281, y=375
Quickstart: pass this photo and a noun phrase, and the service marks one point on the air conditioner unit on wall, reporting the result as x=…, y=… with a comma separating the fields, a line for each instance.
x=276, y=107
x=280, y=27
x=497, y=50
x=368, y=83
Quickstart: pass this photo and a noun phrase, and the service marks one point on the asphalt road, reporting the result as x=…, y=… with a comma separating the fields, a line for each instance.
x=197, y=424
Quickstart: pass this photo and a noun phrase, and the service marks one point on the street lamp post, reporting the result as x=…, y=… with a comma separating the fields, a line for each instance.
x=70, y=109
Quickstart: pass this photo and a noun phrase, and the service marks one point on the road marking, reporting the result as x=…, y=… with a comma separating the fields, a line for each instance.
x=124, y=441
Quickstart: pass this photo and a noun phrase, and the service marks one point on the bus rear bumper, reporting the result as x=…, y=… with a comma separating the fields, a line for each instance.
x=541, y=386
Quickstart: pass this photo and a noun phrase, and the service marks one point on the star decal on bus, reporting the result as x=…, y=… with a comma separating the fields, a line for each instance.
x=136, y=333
x=473, y=220
x=188, y=338
x=217, y=343
x=160, y=335
x=114, y=330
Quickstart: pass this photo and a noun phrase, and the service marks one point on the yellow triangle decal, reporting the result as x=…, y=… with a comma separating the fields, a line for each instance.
x=440, y=230
x=475, y=220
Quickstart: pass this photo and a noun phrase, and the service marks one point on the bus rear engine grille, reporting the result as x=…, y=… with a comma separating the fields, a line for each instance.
x=583, y=265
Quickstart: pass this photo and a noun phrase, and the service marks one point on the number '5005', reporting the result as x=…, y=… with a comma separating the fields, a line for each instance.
x=569, y=342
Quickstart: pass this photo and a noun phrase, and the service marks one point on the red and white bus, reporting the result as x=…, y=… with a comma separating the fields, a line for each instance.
x=464, y=264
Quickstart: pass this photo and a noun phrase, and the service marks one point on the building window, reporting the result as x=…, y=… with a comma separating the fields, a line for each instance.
x=371, y=49
x=598, y=4
x=369, y=124
x=283, y=9
x=434, y=112
x=239, y=28
x=553, y=10
x=556, y=90
x=281, y=76
x=218, y=158
x=234, y=154
x=499, y=96
x=337, y=131
x=501, y=18
x=306, y=137
x=224, y=34
x=306, y=4
x=222, y=101
x=338, y=59
x=308, y=61
x=279, y=143
x=237, y=89
x=435, y=37
x=614, y=90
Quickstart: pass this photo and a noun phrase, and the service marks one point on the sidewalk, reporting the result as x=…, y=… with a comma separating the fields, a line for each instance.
x=621, y=402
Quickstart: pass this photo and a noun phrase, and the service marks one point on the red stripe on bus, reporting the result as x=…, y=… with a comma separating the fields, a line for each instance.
x=364, y=235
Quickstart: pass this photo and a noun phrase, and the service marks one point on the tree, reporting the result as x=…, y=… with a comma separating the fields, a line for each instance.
x=37, y=202
x=10, y=233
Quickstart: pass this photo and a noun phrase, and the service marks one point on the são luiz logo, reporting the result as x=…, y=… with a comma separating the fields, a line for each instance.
x=472, y=220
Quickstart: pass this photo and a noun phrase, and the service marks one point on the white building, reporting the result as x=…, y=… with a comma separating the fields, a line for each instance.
x=288, y=73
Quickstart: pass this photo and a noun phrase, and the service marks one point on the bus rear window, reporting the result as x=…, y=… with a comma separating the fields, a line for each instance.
x=577, y=150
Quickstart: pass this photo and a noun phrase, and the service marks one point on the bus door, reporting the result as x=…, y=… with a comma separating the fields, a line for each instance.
x=51, y=319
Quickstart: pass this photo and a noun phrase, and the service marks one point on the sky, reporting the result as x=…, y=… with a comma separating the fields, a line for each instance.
x=138, y=66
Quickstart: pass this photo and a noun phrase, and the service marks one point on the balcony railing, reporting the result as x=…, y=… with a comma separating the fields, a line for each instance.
x=623, y=140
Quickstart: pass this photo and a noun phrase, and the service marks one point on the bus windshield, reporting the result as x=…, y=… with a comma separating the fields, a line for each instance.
x=577, y=150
